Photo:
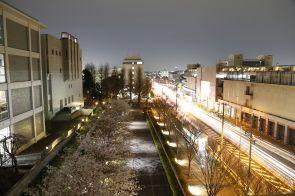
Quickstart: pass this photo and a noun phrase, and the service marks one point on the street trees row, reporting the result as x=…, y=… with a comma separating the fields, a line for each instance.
x=98, y=166
x=99, y=83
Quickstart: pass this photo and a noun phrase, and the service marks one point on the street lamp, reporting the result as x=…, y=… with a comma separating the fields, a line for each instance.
x=222, y=127
x=250, y=151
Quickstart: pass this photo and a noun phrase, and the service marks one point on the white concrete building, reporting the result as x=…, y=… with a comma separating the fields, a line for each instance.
x=62, y=73
x=133, y=64
x=21, y=100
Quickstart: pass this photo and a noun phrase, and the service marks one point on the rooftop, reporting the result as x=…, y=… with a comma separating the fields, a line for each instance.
x=3, y=3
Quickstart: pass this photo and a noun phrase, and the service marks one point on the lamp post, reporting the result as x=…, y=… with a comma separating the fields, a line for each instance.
x=176, y=96
x=222, y=127
x=250, y=152
x=241, y=128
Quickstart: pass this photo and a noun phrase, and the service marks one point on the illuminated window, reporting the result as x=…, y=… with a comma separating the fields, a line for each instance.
x=5, y=132
x=2, y=69
x=3, y=105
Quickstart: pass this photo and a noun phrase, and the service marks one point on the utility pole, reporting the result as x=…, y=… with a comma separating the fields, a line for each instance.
x=250, y=153
x=176, y=96
x=222, y=127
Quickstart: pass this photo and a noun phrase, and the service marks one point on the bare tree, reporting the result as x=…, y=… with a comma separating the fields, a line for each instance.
x=191, y=139
x=139, y=84
x=130, y=84
x=98, y=166
x=177, y=133
x=122, y=81
x=215, y=167
x=11, y=145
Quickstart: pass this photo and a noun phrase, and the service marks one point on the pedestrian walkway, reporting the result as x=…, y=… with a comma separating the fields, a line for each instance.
x=145, y=159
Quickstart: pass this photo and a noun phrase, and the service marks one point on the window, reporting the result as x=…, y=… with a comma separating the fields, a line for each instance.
x=5, y=132
x=56, y=53
x=59, y=53
x=25, y=128
x=17, y=35
x=39, y=123
x=66, y=101
x=50, y=105
x=69, y=99
x=34, y=40
x=36, y=69
x=2, y=69
x=1, y=30
x=4, y=112
x=19, y=68
x=37, y=96
x=21, y=100
x=72, y=97
x=61, y=105
x=59, y=70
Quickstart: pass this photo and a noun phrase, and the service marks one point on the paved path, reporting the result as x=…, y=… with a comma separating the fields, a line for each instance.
x=146, y=161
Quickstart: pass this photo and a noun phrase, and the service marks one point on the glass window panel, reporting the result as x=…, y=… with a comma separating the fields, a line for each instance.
x=37, y=96
x=34, y=40
x=2, y=69
x=21, y=100
x=39, y=123
x=19, y=68
x=36, y=69
x=25, y=128
x=1, y=30
x=4, y=112
x=17, y=35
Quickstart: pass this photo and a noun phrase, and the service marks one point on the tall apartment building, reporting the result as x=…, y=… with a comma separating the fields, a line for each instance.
x=21, y=102
x=133, y=63
x=62, y=73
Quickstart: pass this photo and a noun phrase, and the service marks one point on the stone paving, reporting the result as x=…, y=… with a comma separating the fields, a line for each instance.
x=146, y=161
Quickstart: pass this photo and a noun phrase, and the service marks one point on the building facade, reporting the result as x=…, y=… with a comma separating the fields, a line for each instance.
x=21, y=100
x=132, y=64
x=62, y=73
x=250, y=89
x=266, y=95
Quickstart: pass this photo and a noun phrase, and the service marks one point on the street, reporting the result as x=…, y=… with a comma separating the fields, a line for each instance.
x=276, y=160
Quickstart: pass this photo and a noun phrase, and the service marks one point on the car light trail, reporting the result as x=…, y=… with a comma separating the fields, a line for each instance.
x=235, y=135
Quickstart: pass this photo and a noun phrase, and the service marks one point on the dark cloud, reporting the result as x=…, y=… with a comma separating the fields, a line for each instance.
x=169, y=33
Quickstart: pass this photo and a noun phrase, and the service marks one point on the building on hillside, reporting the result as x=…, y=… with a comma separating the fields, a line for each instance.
x=190, y=80
x=133, y=64
x=163, y=74
x=175, y=75
x=21, y=102
x=62, y=75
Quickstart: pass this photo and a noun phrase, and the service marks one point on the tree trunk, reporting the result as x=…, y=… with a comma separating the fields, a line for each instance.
x=189, y=167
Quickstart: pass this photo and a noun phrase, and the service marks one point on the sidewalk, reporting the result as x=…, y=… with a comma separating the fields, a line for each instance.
x=145, y=159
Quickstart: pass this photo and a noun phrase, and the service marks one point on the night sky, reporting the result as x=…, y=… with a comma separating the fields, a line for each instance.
x=169, y=33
